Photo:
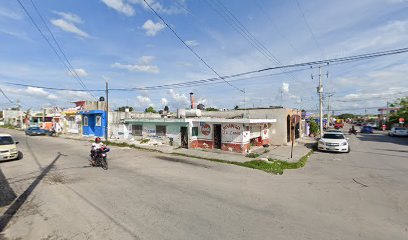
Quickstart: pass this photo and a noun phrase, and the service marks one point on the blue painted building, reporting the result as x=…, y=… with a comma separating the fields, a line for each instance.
x=94, y=123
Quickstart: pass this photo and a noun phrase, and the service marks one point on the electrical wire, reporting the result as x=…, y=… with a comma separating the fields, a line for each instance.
x=237, y=25
x=4, y=94
x=72, y=69
x=186, y=45
x=49, y=43
x=310, y=28
x=333, y=61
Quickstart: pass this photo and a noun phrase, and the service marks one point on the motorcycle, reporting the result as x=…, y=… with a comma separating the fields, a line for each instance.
x=100, y=158
x=352, y=131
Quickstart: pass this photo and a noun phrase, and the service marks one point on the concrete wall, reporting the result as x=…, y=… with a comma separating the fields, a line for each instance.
x=277, y=131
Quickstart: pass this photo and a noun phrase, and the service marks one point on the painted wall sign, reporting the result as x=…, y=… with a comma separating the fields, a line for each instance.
x=232, y=132
x=205, y=129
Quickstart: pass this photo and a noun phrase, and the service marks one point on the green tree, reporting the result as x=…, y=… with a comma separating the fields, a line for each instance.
x=150, y=110
x=211, y=109
x=236, y=107
x=346, y=115
x=122, y=109
x=402, y=112
x=314, y=127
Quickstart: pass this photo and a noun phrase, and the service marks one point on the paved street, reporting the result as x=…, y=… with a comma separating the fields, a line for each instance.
x=147, y=195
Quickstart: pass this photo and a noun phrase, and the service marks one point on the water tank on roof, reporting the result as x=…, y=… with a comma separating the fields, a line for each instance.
x=193, y=113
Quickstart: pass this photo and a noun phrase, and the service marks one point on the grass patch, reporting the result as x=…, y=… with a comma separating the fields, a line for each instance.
x=145, y=141
x=271, y=166
x=252, y=155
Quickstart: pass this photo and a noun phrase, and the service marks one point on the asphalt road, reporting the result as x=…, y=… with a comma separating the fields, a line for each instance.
x=52, y=193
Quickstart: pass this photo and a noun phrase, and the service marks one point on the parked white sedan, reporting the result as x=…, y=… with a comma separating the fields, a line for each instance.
x=333, y=142
x=398, y=131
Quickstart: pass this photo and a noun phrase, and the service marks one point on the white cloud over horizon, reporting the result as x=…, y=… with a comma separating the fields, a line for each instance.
x=67, y=24
x=143, y=65
x=152, y=28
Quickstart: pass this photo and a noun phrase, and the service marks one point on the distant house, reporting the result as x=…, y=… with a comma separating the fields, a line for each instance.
x=93, y=123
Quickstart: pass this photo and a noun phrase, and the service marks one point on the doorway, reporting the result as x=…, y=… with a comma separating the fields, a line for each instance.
x=184, y=137
x=217, y=136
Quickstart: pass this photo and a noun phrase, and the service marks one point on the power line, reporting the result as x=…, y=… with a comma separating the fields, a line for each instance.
x=185, y=44
x=11, y=101
x=237, y=25
x=72, y=69
x=73, y=72
x=310, y=28
x=285, y=38
x=214, y=80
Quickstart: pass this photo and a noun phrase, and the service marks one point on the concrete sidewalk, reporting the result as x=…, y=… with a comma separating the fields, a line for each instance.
x=300, y=149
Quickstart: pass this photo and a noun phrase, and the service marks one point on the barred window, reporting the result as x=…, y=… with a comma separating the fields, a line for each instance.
x=137, y=130
x=160, y=130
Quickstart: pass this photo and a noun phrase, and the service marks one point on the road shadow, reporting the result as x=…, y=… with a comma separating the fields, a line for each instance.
x=312, y=146
x=7, y=194
x=391, y=150
x=12, y=210
x=382, y=139
x=173, y=159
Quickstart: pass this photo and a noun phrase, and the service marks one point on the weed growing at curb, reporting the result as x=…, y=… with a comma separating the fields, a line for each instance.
x=252, y=155
x=273, y=166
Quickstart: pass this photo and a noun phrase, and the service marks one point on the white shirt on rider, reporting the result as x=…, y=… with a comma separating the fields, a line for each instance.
x=96, y=146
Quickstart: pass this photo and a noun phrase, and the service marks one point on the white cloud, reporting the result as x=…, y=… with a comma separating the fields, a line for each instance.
x=164, y=101
x=69, y=27
x=284, y=88
x=120, y=6
x=39, y=92
x=144, y=101
x=74, y=95
x=143, y=65
x=392, y=33
x=152, y=28
x=178, y=99
x=192, y=43
x=69, y=17
x=6, y=13
x=79, y=71
x=158, y=7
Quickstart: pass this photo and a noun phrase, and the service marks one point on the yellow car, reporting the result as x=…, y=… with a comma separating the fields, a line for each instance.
x=8, y=148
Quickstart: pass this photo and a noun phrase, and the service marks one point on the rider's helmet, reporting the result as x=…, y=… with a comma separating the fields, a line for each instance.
x=97, y=140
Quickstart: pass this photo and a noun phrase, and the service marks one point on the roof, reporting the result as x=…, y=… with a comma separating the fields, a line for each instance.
x=5, y=135
x=209, y=120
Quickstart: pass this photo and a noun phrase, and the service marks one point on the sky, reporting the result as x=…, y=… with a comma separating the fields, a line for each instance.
x=125, y=43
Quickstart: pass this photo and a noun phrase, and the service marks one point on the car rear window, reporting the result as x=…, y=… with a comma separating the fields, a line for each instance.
x=6, y=141
x=333, y=136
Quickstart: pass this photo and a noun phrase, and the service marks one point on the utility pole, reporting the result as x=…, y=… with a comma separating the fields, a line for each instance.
x=328, y=108
x=106, y=111
x=320, y=91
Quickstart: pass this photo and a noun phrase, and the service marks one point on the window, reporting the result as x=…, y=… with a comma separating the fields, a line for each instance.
x=137, y=130
x=85, y=121
x=160, y=130
x=194, y=131
x=98, y=121
x=6, y=140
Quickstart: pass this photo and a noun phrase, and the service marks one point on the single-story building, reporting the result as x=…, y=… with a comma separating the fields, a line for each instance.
x=93, y=123
x=236, y=135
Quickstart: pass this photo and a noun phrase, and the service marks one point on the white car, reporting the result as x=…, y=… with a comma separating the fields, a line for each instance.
x=398, y=131
x=8, y=148
x=333, y=142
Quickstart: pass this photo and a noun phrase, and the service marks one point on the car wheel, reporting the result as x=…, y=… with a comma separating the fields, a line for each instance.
x=349, y=149
x=19, y=155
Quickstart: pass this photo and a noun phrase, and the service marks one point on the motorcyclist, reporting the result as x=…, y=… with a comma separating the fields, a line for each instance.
x=95, y=147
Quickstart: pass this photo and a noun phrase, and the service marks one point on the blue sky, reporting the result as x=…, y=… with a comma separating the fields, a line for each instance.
x=123, y=42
